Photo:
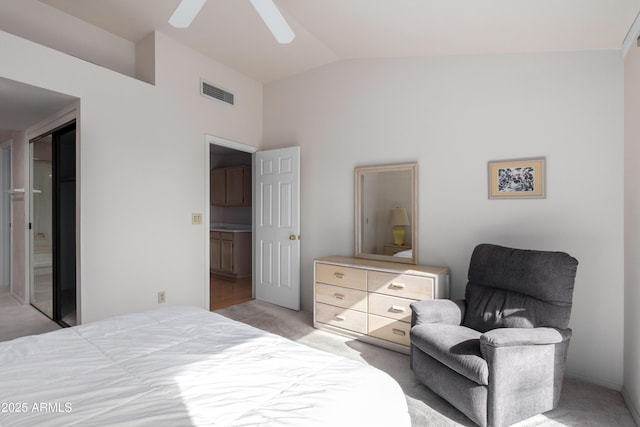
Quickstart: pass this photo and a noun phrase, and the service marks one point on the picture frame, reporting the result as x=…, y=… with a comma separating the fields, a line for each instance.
x=517, y=178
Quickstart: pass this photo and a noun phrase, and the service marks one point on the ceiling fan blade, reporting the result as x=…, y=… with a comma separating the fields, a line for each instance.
x=274, y=20
x=185, y=13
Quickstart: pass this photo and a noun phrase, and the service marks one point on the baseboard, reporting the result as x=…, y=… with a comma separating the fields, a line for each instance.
x=607, y=384
x=17, y=298
x=635, y=413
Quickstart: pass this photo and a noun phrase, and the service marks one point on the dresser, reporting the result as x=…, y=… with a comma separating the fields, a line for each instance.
x=369, y=300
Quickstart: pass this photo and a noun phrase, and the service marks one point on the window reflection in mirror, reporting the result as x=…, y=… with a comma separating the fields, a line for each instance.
x=386, y=213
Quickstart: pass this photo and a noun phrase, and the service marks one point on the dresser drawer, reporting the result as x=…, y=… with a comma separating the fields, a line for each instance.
x=401, y=285
x=342, y=317
x=388, y=306
x=341, y=296
x=355, y=278
x=389, y=329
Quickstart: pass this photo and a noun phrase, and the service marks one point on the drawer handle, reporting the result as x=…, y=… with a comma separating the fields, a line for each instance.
x=339, y=318
x=338, y=275
x=396, y=286
x=338, y=296
x=399, y=332
x=397, y=309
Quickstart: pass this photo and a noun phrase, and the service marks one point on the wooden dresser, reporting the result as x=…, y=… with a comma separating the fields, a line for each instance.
x=369, y=300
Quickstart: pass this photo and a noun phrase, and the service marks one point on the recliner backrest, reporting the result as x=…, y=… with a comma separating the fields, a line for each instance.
x=519, y=288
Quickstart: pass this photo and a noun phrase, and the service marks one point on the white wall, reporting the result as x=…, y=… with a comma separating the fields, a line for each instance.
x=452, y=115
x=5, y=213
x=631, y=390
x=142, y=169
x=51, y=27
x=19, y=157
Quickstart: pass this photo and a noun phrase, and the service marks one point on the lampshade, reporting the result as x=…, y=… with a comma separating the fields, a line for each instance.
x=398, y=216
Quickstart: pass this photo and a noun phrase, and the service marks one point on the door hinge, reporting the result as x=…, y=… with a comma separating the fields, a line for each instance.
x=29, y=226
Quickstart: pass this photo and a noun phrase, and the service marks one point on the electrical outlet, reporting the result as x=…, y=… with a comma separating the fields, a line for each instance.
x=162, y=297
x=196, y=218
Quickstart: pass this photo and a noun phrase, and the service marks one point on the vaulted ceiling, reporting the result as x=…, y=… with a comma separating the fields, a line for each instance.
x=231, y=32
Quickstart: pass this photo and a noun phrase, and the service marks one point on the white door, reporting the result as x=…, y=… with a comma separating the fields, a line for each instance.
x=277, y=227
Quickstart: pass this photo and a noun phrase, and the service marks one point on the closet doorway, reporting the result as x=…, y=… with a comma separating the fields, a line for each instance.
x=52, y=224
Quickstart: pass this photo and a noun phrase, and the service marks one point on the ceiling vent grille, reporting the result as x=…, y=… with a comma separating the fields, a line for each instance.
x=211, y=91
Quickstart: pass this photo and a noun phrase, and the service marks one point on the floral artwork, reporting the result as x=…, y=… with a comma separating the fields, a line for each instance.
x=516, y=179
x=520, y=178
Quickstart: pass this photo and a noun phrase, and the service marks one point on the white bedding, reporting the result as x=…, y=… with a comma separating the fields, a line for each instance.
x=404, y=254
x=181, y=366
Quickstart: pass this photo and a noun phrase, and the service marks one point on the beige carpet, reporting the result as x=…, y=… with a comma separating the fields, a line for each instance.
x=582, y=404
x=17, y=319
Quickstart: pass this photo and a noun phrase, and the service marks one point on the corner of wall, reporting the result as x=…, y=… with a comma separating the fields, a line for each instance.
x=635, y=412
x=146, y=59
x=631, y=387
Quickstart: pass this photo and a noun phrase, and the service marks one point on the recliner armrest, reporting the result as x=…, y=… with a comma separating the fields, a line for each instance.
x=437, y=311
x=511, y=337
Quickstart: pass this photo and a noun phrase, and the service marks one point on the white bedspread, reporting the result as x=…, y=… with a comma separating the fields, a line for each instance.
x=181, y=366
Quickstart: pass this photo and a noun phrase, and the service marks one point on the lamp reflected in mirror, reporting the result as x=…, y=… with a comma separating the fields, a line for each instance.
x=386, y=212
x=398, y=219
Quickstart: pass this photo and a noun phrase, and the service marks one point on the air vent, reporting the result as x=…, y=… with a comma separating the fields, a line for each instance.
x=207, y=89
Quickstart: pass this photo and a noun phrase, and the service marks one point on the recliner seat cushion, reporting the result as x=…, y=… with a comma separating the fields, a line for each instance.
x=457, y=347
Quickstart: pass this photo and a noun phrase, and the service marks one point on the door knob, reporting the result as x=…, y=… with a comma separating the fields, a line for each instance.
x=292, y=237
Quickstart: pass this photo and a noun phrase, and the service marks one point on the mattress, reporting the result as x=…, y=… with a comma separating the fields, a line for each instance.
x=181, y=366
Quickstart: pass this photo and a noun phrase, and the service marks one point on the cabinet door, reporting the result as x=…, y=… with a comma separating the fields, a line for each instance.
x=214, y=255
x=218, y=184
x=235, y=180
x=226, y=256
x=246, y=186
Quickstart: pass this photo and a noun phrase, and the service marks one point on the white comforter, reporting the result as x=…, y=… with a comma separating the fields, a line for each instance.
x=181, y=366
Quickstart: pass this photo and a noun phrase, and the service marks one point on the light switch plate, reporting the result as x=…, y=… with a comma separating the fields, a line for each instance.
x=196, y=218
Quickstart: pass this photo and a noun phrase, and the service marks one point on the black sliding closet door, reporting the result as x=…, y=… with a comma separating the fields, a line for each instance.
x=64, y=225
x=53, y=224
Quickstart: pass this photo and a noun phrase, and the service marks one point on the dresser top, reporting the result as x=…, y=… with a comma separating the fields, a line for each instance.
x=384, y=265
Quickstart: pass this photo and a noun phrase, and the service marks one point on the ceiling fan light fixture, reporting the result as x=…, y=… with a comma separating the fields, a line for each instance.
x=274, y=20
x=185, y=13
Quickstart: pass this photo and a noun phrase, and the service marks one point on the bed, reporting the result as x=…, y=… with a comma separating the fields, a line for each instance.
x=181, y=366
x=404, y=254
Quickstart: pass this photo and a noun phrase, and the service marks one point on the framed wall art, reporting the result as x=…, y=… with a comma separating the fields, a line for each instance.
x=517, y=179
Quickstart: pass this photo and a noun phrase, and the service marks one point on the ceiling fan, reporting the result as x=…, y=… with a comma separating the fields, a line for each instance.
x=187, y=10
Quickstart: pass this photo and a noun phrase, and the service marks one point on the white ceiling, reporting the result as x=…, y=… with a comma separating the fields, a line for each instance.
x=231, y=32
x=23, y=105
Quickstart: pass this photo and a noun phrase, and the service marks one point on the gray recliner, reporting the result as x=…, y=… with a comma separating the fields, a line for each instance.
x=499, y=355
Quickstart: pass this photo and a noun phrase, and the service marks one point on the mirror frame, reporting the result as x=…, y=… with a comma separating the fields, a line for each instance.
x=413, y=211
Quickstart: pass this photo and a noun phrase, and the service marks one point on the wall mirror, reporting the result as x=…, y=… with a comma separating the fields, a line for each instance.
x=386, y=212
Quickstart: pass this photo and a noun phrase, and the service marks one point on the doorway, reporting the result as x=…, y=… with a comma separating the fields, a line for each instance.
x=231, y=225
x=5, y=217
x=52, y=224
